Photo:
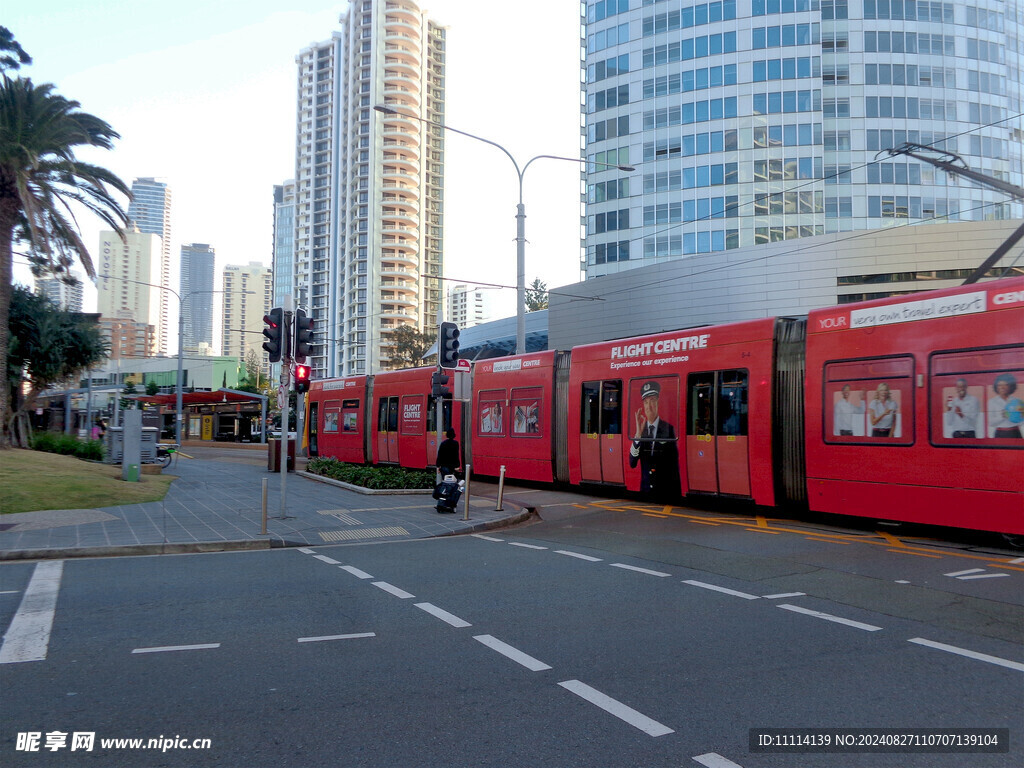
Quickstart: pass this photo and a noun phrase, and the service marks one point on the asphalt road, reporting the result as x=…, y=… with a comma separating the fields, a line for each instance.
x=601, y=636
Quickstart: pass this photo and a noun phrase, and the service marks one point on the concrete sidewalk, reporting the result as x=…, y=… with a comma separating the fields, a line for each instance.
x=216, y=505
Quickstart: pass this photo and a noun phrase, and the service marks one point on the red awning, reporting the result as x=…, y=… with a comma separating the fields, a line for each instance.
x=198, y=398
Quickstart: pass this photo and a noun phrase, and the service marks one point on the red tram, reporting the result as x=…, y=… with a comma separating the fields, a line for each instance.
x=905, y=408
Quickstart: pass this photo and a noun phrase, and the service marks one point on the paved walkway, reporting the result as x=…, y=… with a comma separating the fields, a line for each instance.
x=217, y=505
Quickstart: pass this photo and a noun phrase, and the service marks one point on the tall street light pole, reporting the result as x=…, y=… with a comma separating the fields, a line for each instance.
x=520, y=212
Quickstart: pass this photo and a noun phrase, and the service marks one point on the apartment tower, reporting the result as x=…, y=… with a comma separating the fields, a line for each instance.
x=196, y=290
x=758, y=121
x=150, y=210
x=128, y=287
x=368, y=202
x=247, y=293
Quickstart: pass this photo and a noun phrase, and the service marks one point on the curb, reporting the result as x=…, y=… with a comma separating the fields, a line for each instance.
x=136, y=550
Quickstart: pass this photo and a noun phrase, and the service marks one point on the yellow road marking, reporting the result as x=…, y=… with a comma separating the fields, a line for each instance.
x=184, y=454
x=651, y=514
x=1007, y=567
x=763, y=530
x=761, y=522
x=827, y=541
x=915, y=554
x=884, y=540
x=891, y=539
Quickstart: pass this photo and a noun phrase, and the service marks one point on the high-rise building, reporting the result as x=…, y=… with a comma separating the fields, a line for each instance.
x=65, y=295
x=284, y=241
x=753, y=123
x=127, y=283
x=368, y=187
x=247, y=294
x=469, y=306
x=150, y=211
x=196, y=291
x=126, y=337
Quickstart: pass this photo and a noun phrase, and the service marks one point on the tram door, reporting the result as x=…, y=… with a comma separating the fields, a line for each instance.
x=601, y=432
x=387, y=429
x=716, y=432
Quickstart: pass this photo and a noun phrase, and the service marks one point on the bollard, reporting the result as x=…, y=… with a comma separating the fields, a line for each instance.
x=466, y=513
x=263, y=528
x=501, y=489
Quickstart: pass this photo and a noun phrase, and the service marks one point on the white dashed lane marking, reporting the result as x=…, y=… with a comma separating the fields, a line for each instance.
x=617, y=708
x=532, y=664
x=443, y=615
x=830, y=617
x=723, y=590
x=393, y=590
x=170, y=648
x=715, y=760
x=356, y=572
x=639, y=570
x=323, y=638
x=578, y=556
x=969, y=654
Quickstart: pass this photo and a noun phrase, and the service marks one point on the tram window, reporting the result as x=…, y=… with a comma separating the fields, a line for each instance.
x=732, y=403
x=412, y=415
x=869, y=401
x=526, y=411
x=349, y=416
x=590, y=410
x=701, y=410
x=977, y=398
x=387, y=414
x=611, y=408
x=491, y=412
x=331, y=414
x=432, y=413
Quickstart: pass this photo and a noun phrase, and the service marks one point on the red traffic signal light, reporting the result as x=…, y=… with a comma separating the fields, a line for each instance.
x=273, y=332
x=302, y=376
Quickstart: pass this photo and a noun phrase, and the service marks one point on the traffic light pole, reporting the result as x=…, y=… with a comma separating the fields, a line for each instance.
x=282, y=396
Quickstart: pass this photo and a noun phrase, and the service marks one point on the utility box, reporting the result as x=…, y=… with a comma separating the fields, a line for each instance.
x=115, y=444
x=274, y=454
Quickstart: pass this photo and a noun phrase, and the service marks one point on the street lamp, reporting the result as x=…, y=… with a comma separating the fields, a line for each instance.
x=520, y=212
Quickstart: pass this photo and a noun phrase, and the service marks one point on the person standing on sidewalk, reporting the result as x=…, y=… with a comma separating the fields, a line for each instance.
x=448, y=455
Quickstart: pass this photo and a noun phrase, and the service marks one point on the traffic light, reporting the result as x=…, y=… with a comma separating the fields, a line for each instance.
x=303, y=336
x=302, y=374
x=437, y=384
x=274, y=333
x=448, y=345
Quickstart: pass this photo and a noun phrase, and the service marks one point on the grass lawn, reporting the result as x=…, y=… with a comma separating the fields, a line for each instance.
x=32, y=480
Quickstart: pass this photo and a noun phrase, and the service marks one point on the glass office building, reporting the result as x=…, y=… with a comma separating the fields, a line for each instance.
x=757, y=121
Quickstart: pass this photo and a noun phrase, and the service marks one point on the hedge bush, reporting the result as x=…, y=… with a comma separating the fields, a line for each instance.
x=376, y=478
x=51, y=442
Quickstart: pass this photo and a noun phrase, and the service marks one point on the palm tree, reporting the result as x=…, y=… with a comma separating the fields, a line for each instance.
x=40, y=179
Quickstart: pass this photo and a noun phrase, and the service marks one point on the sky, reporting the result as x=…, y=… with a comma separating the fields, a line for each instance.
x=203, y=95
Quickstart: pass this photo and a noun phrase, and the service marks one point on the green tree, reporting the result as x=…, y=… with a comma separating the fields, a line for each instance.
x=40, y=181
x=537, y=296
x=409, y=345
x=49, y=346
x=12, y=55
x=152, y=387
x=129, y=389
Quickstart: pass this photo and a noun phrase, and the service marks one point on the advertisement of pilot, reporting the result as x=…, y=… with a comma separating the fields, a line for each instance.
x=655, y=448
